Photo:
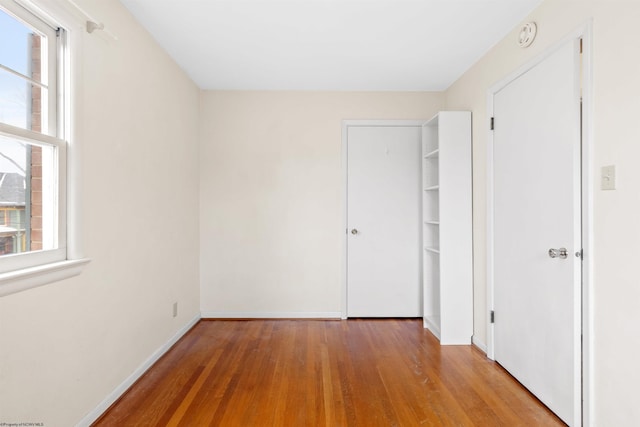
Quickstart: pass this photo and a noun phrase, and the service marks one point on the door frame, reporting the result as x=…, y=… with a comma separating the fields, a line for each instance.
x=346, y=124
x=587, y=184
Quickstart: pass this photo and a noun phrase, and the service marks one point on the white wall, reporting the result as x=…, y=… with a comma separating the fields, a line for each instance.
x=64, y=347
x=617, y=229
x=271, y=196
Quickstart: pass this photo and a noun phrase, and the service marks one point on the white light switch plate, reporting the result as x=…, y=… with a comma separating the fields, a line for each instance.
x=608, y=178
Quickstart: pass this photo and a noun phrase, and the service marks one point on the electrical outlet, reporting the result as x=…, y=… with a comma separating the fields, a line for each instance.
x=175, y=309
x=608, y=178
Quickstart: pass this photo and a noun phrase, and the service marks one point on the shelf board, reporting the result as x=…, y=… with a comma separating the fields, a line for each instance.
x=432, y=222
x=432, y=188
x=432, y=250
x=432, y=155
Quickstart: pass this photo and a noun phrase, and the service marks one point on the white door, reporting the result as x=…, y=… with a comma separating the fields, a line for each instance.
x=536, y=158
x=383, y=221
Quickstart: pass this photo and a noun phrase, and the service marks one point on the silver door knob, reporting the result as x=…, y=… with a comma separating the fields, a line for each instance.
x=561, y=253
x=354, y=231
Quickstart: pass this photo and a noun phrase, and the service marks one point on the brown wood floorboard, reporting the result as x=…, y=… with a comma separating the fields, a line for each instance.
x=359, y=372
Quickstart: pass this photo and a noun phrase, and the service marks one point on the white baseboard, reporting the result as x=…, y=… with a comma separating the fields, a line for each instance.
x=271, y=315
x=119, y=391
x=482, y=346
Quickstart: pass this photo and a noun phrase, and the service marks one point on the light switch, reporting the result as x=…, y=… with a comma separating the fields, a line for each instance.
x=608, y=178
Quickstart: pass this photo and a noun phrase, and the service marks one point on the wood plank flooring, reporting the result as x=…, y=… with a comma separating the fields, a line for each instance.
x=324, y=373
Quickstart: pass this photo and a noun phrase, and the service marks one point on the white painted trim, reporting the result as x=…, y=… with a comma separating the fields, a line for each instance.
x=478, y=343
x=586, y=33
x=33, y=277
x=51, y=11
x=433, y=326
x=346, y=124
x=131, y=379
x=31, y=136
x=23, y=77
x=70, y=9
x=75, y=138
x=345, y=204
x=490, y=228
x=271, y=315
x=588, y=190
x=384, y=123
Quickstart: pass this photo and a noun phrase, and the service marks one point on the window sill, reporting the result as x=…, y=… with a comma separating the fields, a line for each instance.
x=28, y=278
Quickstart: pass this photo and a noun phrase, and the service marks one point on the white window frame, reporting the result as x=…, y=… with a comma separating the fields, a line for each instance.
x=31, y=269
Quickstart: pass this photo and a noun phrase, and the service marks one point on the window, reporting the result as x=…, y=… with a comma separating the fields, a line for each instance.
x=34, y=122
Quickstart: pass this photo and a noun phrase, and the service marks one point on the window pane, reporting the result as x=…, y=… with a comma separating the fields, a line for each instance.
x=20, y=47
x=21, y=103
x=23, y=50
x=27, y=197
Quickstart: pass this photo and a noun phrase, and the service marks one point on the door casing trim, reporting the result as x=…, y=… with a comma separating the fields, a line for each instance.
x=346, y=124
x=584, y=32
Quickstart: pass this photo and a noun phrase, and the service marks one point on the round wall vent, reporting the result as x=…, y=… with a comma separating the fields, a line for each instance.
x=527, y=34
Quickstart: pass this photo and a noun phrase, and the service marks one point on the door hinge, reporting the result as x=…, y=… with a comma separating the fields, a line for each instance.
x=493, y=316
x=492, y=123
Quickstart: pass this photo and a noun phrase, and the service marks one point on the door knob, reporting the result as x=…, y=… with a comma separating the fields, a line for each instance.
x=354, y=231
x=561, y=253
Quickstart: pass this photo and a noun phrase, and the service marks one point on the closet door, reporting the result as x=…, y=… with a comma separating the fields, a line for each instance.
x=383, y=219
x=537, y=231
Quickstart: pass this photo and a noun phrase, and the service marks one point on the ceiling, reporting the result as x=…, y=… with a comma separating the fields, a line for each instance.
x=346, y=45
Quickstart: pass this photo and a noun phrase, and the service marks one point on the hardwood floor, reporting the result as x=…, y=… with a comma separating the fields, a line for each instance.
x=324, y=373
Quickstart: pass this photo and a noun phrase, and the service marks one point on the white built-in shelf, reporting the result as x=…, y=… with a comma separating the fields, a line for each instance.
x=447, y=256
x=432, y=155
